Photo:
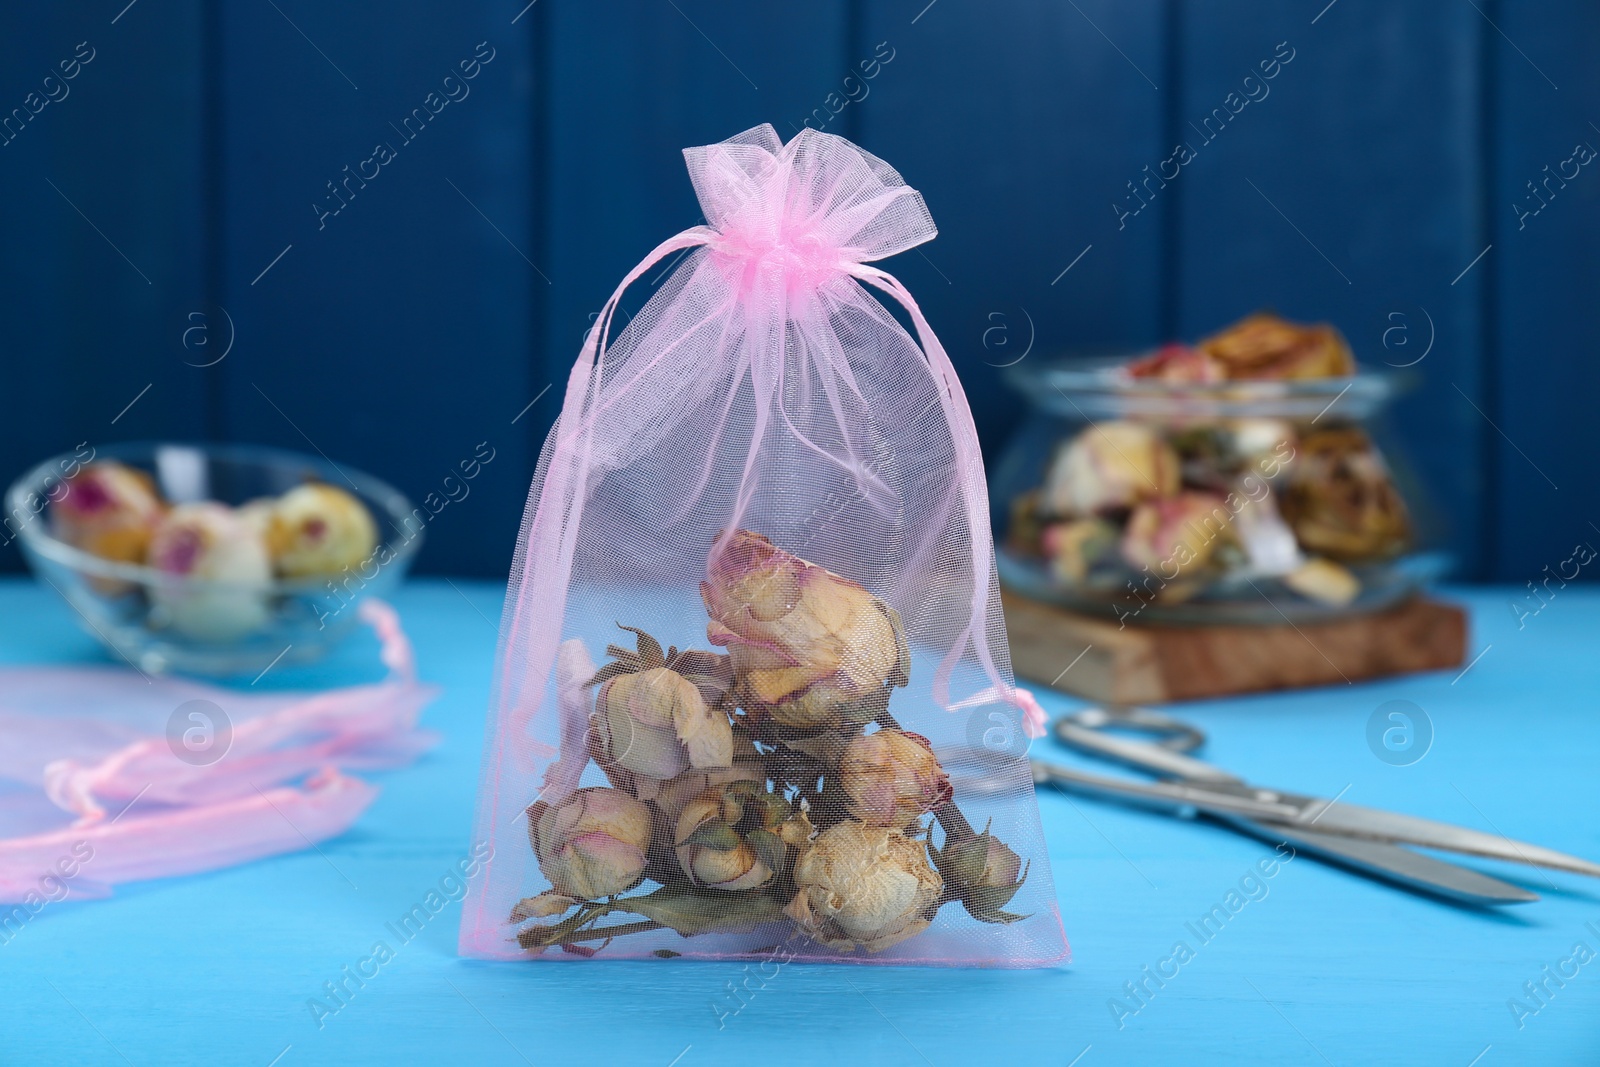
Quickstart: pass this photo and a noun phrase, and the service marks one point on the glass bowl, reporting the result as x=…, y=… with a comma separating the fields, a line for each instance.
x=1239, y=501
x=124, y=605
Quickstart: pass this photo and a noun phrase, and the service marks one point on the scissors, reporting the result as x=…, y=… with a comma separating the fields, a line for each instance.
x=1368, y=840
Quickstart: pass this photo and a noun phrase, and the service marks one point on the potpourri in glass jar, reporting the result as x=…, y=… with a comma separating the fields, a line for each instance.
x=1235, y=480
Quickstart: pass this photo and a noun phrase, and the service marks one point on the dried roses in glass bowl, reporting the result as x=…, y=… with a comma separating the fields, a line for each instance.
x=211, y=559
x=1236, y=480
x=762, y=783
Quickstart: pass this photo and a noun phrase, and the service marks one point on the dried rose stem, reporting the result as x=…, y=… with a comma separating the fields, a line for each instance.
x=600, y=933
x=956, y=826
x=603, y=933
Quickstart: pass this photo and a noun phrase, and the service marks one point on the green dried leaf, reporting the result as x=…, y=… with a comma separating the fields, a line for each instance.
x=1000, y=918
x=769, y=848
x=989, y=898
x=901, y=676
x=650, y=652
x=860, y=712
x=775, y=810
x=962, y=862
x=711, y=672
x=612, y=670
x=697, y=911
x=714, y=834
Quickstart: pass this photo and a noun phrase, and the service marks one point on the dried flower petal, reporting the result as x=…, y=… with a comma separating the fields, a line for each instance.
x=1110, y=466
x=1075, y=547
x=319, y=529
x=1177, y=536
x=892, y=778
x=810, y=647
x=593, y=844
x=1264, y=346
x=656, y=724
x=1324, y=581
x=737, y=837
x=219, y=569
x=670, y=796
x=1341, y=501
x=110, y=510
x=864, y=886
x=983, y=872
x=541, y=907
x=1176, y=362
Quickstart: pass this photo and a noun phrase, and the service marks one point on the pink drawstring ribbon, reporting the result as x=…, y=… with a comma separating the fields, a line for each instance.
x=172, y=817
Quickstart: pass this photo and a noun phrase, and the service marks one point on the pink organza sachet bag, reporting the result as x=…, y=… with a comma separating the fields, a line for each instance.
x=108, y=776
x=753, y=632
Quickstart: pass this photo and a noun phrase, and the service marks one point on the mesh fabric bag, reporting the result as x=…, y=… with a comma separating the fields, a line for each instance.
x=754, y=694
x=108, y=776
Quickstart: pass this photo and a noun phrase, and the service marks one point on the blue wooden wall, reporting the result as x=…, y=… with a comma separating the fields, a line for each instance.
x=212, y=175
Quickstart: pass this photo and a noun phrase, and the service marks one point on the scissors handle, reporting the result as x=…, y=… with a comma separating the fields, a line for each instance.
x=1087, y=731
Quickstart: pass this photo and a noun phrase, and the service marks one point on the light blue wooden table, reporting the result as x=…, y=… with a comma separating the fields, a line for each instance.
x=1321, y=968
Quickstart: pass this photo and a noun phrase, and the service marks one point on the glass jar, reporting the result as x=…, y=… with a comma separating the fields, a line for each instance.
x=1237, y=501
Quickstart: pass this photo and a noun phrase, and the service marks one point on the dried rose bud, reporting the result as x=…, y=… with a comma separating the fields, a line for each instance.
x=319, y=529
x=1264, y=346
x=864, y=886
x=669, y=797
x=110, y=510
x=1177, y=536
x=656, y=724
x=738, y=836
x=1110, y=466
x=592, y=844
x=892, y=778
x=219, y=569
x=983, y=872
x=1341, y=501
x=812, y=648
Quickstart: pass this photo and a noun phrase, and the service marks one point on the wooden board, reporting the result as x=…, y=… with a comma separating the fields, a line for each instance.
x=1093, y=658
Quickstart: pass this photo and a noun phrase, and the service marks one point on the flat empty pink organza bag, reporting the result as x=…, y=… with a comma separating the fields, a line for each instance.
x=109, y=776
x=753, y=633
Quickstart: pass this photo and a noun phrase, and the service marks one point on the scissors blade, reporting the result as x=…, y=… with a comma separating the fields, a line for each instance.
x=1373, y=824
x=1369, y=856
x=1206, y=797
x=1392, y=863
